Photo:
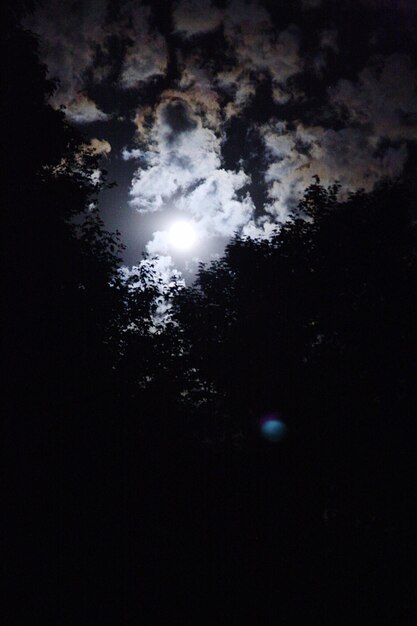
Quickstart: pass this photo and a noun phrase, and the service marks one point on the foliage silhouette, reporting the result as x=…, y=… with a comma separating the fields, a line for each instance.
x=322, y=312
x=318, y=325
x=61, y=302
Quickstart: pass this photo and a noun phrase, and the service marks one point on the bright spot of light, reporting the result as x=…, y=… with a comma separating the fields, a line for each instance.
x=182, y=235
x=272, y=428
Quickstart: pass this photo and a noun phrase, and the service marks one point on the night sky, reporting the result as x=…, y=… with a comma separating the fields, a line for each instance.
x=220, y=113
x=210, y=419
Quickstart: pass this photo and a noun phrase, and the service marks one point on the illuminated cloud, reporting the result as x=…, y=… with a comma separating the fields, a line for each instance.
x=183, y=171
x=262, y=228
x=80, y=109
x=100, y=146
x=347, y=155
x=215, y=205
x=381, y=109
x=159, y=244
x=181, y=153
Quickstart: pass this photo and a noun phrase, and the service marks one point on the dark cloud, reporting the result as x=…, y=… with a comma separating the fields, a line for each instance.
x=69, y=34
x=193, y=18
x=176, y=115
x=382, y=98
x=78, y=41
x=146, y=54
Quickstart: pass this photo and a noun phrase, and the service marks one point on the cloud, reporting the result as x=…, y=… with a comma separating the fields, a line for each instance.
x=215, y=205
x=383, y=98
x=181, y=138
x=252, y=44
x=183, y=172
x=181, y=153
x=68, y=35
x=257, y=45
x=100, y=146
x=356, y=131
x=159, y=244
x=74, y=36
x=329, y=39
x=147, y=55
x=240, y=86
x=348, y=155
x=192, y=17
x=261, y=228
x=198, y=89
x=380, y=114
x=80, y=109
x=258, y=50
x=144, y=121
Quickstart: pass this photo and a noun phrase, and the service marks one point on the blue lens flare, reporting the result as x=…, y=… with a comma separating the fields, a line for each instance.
x=272, y=428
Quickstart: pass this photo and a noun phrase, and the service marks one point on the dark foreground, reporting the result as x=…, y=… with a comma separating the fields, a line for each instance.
x=111, y=527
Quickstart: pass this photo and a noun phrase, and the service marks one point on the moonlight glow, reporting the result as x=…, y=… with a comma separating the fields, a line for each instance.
x=182, y=235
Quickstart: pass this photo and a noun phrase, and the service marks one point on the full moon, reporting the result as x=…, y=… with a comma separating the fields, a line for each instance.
x=182, y=235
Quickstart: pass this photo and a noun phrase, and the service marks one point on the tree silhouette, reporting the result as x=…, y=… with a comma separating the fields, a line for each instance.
x=316, y=324
x=58, y=259
x=61, y=302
